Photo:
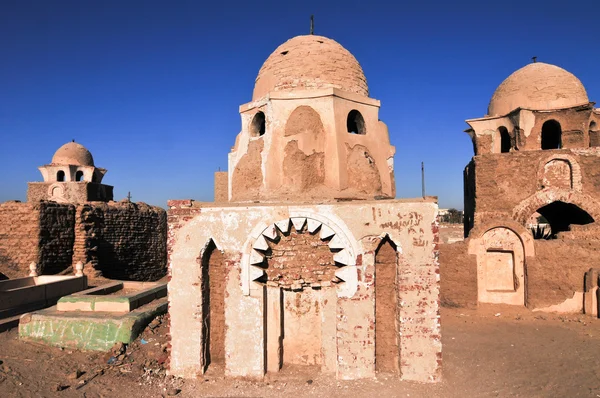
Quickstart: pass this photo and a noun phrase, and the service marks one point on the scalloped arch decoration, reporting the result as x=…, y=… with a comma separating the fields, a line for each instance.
x=339, y=244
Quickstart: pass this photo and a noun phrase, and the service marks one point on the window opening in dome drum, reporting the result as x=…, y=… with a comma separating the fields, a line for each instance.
x=258, y=125
x=593, y=134
x=356, y=123
x=60, y=176
x=504, y=140
x=79, y=175
x=551, y=135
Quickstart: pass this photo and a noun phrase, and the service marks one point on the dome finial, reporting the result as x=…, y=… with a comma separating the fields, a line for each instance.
x=312, y=24
x=534, y=59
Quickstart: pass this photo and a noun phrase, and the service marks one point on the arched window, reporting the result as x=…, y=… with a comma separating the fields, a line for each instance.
x=551, y=135
x=504, y=140
x=60, y=176
x=94, y=178
x=258, y=125
x=79, y=175
x=356, y=123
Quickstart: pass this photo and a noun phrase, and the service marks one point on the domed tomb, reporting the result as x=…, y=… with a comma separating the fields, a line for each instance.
x=71, y=177
x=310, y=62
x=538, y=86
x=311, y=132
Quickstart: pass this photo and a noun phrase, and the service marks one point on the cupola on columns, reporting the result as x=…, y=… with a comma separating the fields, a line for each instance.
x=71, y=177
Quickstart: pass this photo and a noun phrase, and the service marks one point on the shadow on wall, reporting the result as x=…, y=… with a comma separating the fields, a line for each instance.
x=8, y=265
x=127, y=265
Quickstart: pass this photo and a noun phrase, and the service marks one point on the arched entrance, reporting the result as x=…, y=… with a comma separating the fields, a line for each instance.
x=561, y=216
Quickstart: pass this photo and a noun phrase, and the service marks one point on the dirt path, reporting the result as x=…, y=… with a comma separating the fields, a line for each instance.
x=515, y=354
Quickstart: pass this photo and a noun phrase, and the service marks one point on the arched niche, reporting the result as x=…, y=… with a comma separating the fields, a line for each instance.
x=386, y=307
x=213, y=285
x=500, y=266
x=304, y=120
x=560, y=172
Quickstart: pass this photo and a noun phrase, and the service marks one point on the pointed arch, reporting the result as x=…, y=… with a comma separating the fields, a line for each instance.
x=213, y=285
x=386, y=307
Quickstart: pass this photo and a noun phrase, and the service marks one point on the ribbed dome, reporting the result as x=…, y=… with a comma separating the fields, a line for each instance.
x=310, y=62
x=73, y=153
x=538, y=86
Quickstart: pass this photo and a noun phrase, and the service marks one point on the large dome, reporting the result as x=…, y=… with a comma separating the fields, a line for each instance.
x=73, y=153
x=310, y=62
x=538, y=86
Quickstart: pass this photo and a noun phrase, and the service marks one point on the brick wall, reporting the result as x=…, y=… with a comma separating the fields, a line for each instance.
x=504, y=180
x=19, y=236
x=221, y=186
x=458, y=276
x=300, y=260
x=121, y=240
x=56, y=237
x=39, y=232
x=180, y=212
x=558, y=269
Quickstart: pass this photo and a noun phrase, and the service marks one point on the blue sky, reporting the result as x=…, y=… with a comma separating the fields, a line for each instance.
x=152, y=88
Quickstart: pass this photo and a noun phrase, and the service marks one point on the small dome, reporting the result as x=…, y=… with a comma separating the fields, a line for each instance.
x=310, y=62
x=538, y=86
x=73, y=153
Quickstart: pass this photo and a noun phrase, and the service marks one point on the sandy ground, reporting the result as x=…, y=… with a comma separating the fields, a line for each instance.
x=515, y=354
x=450, y=233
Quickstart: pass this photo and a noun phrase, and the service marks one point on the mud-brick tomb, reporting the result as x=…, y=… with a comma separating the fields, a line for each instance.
x=532, y=197
x=305, y=257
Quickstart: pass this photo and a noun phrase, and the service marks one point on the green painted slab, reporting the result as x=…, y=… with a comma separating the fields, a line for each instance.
x=95, y=331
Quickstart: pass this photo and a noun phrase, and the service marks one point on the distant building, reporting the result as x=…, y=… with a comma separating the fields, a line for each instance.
x=537, y=152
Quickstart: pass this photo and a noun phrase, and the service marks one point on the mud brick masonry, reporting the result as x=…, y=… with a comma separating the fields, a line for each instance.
x=305, y=257
x=532, y=197
x=70, y=217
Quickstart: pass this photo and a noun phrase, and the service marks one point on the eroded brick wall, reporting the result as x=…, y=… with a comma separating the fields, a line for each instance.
x=300, y=260
x=221, y=186
x=122, y=240
x=19, y=237
x=558, y=269
x=57, y=233
x=505, y=180
x=40, y=232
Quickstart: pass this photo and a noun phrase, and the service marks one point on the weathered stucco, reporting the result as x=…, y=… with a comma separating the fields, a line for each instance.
x=346, y=341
